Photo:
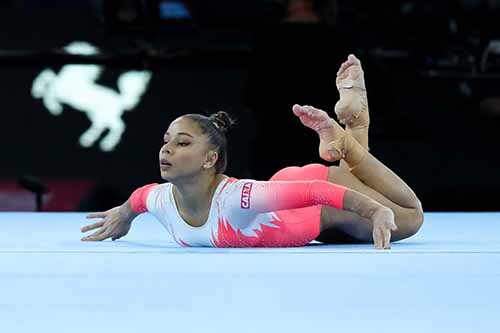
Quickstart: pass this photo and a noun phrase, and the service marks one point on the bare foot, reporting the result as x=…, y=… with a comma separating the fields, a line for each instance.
x=327, y=128
x=352, y=108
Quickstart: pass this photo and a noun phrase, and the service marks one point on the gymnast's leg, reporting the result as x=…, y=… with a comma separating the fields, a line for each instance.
x=360, y=171
x=352, y=110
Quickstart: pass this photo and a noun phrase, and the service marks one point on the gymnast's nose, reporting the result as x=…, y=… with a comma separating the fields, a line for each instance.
x=166, y=149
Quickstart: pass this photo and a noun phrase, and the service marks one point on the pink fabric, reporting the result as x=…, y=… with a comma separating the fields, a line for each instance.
x=303, y=189
x=313, y=171
x=280, y=234
x=139, y=197
x=302, y=225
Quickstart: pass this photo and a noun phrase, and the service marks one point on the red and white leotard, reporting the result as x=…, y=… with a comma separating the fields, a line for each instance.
x=247, y=213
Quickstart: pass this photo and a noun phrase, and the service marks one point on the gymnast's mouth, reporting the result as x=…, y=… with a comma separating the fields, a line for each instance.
x=165, y=164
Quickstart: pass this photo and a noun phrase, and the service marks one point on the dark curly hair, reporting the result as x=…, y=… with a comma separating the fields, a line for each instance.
x=215, y=128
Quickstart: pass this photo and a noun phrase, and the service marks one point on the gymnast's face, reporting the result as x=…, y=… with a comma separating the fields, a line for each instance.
x=185, y=152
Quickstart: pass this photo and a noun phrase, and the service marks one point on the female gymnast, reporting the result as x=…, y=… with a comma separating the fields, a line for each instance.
x=357, y=202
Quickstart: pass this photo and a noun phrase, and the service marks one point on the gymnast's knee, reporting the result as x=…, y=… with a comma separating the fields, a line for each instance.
x=410, y=222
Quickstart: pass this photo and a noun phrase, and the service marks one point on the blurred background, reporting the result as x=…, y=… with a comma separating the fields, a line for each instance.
x=89, y=87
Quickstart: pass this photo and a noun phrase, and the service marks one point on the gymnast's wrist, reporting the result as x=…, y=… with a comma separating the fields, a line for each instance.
x=127, y=213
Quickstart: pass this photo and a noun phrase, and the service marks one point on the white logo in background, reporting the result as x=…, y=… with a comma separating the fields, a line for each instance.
x=75, y=86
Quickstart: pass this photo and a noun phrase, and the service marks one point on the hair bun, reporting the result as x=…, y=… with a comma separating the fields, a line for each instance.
x=222, y=121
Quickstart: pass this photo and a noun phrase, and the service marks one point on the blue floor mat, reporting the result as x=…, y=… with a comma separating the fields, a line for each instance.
x=444, y=279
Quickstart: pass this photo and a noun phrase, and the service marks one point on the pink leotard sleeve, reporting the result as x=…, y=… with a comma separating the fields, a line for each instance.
x=266, y=196
x=139, y=197
x=268, y=213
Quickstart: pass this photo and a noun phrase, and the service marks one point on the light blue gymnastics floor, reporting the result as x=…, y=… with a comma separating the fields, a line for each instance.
x=444, y=279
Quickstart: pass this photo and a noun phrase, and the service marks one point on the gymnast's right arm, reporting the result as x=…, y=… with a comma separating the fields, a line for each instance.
x=116, y=222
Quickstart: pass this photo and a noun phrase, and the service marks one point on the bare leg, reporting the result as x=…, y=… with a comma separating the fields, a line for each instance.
x=366, y=175
x=340, y=226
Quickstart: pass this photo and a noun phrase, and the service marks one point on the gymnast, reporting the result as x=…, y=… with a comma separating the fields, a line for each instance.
x=359, y=201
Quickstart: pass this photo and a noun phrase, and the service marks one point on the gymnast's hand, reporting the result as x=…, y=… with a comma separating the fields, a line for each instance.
x=115, y=223
x=383, y=224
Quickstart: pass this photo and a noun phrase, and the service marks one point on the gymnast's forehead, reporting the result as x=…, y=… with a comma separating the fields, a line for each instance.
x=184, y=125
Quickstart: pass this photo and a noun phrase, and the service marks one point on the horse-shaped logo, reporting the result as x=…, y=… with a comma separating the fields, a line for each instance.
x=75, y=86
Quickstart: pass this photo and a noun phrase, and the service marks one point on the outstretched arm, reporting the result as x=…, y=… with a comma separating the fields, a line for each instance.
x=114, y=223
x=280, y=195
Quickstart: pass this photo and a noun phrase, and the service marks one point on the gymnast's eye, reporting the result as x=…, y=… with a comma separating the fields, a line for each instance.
x=183, y=143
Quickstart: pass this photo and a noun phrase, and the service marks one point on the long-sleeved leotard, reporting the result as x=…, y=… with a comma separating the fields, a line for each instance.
x=247, y=213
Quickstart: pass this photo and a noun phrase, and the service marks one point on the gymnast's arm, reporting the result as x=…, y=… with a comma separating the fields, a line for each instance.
x=280, y=195
x=266, y=196
x=114, y=223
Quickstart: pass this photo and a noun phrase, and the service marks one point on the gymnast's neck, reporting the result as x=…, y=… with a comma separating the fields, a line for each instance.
x=193, y=195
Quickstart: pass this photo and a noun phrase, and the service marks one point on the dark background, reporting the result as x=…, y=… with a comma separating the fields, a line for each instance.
x=432, y=80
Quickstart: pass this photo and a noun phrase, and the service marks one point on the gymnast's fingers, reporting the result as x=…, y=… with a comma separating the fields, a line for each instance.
x=377, y=239
x=393, y=226
x=101, y=237
x=96, y=235
x=96, y=215
x=387, y=239
x=92, y=226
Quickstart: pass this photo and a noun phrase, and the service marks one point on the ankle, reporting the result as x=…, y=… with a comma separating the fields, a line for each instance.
x=355, y=153
x=347, y=149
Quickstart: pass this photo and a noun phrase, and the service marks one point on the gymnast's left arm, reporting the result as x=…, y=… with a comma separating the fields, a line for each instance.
x=268, y=196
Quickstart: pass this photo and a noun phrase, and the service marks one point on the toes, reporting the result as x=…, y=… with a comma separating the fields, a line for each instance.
x=342, y=68
x=352, y=59
x=298, y=110
x=296, y=106
x=312, y=111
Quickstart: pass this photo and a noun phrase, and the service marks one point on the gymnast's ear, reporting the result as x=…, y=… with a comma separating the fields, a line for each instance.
x=211, y=159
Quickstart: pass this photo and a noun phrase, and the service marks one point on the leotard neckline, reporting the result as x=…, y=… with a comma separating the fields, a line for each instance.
x=219, y=188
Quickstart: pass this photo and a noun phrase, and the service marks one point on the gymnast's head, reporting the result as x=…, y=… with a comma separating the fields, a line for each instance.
x=195, y=145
